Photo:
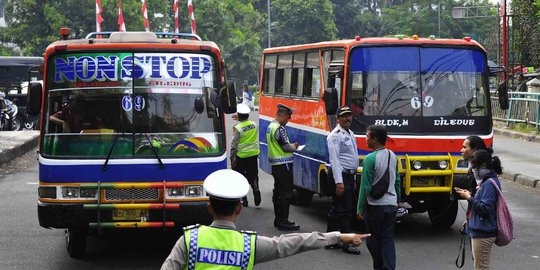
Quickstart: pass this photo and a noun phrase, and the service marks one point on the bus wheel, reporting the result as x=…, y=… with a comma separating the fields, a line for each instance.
x=442, y=214
x=76, y=241
x=302, y=196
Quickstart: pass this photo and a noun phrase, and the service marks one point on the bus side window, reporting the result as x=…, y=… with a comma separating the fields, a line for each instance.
x=297, y=77
x=312, y=81
x=284, y=74
x=269, y=74
x=357, y=94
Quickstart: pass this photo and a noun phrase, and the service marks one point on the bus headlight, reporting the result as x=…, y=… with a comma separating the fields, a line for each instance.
x=194, y=191
x=443, y=164
x=70, y=192
x=417, y=165
x=88, y=192
x=176, y=192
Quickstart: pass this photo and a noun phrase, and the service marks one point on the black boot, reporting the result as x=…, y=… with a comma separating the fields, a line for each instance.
x=257, y=197
x=245, y=202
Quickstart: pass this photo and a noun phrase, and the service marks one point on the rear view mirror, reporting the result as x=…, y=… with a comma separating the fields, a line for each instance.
x=502, y=91
x=33, y=99
x=330, y=100
x=227, y=98
x=199, y=105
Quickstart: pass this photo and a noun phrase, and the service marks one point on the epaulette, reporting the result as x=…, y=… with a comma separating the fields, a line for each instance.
x=248, y=232
x=190, y=227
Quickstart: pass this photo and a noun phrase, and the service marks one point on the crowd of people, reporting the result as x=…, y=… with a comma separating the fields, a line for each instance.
x=378, y=199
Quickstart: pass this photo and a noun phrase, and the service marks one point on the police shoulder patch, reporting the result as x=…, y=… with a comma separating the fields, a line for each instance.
x=191, y=227
x=248, y=232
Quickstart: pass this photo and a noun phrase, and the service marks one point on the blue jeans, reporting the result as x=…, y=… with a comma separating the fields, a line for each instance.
x=380, y=222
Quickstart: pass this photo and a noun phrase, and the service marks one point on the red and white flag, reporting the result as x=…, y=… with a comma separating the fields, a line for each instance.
x=145, y=15
x=192, y=18
x=99, y=19
x=121, y=23
x=175, y=10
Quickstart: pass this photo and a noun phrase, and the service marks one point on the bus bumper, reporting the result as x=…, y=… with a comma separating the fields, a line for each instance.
x=72, y=215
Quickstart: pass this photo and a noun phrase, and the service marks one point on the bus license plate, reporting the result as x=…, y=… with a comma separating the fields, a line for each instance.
x=130, y=214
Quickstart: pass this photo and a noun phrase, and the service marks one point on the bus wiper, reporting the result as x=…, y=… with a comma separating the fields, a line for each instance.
x=161, y=165
x=104, y=167
x=359, y=122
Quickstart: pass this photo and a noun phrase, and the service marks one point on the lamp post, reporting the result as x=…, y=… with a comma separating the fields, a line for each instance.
x=268, y=7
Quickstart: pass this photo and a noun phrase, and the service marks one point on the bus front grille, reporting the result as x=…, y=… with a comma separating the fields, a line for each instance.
x=122, y=194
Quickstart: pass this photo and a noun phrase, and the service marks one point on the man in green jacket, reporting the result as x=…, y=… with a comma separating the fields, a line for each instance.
x=379, y=213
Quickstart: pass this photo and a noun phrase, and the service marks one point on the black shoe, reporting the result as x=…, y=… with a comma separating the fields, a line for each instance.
x=245, y=203
x=257, y=197
x=351, y=250
x=283, y=226
x=339, y=245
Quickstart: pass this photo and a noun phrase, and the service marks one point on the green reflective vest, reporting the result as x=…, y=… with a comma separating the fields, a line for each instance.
x=248, y=145
x=217, y=248
x=276, y=155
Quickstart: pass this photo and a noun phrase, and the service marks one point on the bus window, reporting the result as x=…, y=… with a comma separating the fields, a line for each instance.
x=312, y=85
x=269, y=74
x=284, y=74
x=297, y=76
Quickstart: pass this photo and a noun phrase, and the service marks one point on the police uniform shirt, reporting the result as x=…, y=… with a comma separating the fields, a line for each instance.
x=283, y=139
x=266, y=248
x=342, y=151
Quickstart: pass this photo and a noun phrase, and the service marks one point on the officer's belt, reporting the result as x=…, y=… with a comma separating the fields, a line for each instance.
x=349, y=171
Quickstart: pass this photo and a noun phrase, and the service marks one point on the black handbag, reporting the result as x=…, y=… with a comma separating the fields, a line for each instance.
x=381, y=187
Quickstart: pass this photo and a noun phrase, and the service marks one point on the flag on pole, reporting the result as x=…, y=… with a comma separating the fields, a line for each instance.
x=175, y=10
x=121, y=23
x=99, y=19
x=192, y=18
x=145, y=15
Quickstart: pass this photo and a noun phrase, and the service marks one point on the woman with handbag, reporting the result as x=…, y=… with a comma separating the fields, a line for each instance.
x=482, y=214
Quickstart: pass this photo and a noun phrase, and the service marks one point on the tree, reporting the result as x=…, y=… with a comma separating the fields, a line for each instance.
x=302, y=21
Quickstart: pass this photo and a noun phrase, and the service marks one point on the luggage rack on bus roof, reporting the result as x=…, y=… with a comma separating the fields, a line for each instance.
x=159, y=34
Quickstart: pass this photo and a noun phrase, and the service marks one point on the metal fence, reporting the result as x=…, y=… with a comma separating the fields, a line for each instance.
x=523, y=108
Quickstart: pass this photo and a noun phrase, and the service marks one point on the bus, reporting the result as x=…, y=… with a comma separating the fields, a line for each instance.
x=429, y=93
x=142, y=125
x=15, y=73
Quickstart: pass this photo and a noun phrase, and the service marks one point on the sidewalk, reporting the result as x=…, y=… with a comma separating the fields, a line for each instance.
x=16, y=143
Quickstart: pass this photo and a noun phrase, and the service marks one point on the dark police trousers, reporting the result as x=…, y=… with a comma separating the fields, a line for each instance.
x=340, y=215
x=248, y=168
x=283, y=190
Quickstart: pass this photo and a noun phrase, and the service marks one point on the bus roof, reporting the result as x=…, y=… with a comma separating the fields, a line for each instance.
x=20, y=61
x=132, y=40
x=383, y=41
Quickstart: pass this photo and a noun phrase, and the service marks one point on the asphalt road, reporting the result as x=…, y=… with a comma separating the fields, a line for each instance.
x=25, y=245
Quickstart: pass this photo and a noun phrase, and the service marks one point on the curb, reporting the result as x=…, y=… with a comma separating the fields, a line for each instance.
x=521, y=179
x=12, y=152
x=517, y=135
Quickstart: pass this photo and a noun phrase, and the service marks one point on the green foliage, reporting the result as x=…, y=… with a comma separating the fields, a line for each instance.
x=302, y=21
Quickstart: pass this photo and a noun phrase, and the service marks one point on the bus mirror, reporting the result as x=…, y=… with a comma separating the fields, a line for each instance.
x=33, y=99
x=330, y=100
x=227, y=98
x=502, y=91
x=199, y=105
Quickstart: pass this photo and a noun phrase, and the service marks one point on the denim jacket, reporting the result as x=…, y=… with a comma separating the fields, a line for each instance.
x=482, y=218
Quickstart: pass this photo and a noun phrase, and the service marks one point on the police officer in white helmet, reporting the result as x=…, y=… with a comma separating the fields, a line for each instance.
x=222, y=244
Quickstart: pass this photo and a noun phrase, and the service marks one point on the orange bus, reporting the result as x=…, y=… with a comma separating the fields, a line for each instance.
x=429, y=93
x=131, y=125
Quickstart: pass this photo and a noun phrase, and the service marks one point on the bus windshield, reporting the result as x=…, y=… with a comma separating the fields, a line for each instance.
x=419, y=89
x=125, y=105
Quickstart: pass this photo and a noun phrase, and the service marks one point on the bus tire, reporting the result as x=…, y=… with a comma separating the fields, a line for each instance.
x=442, y=214
x=76, y=241
x=302, y=197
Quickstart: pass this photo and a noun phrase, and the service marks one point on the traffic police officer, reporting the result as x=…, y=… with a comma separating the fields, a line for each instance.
x=343, y=155
x=280, y=158
x=221, y=244
x=245, y=150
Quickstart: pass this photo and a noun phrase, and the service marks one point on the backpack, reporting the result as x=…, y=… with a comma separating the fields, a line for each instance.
x=505, y=228
x=381, y=187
